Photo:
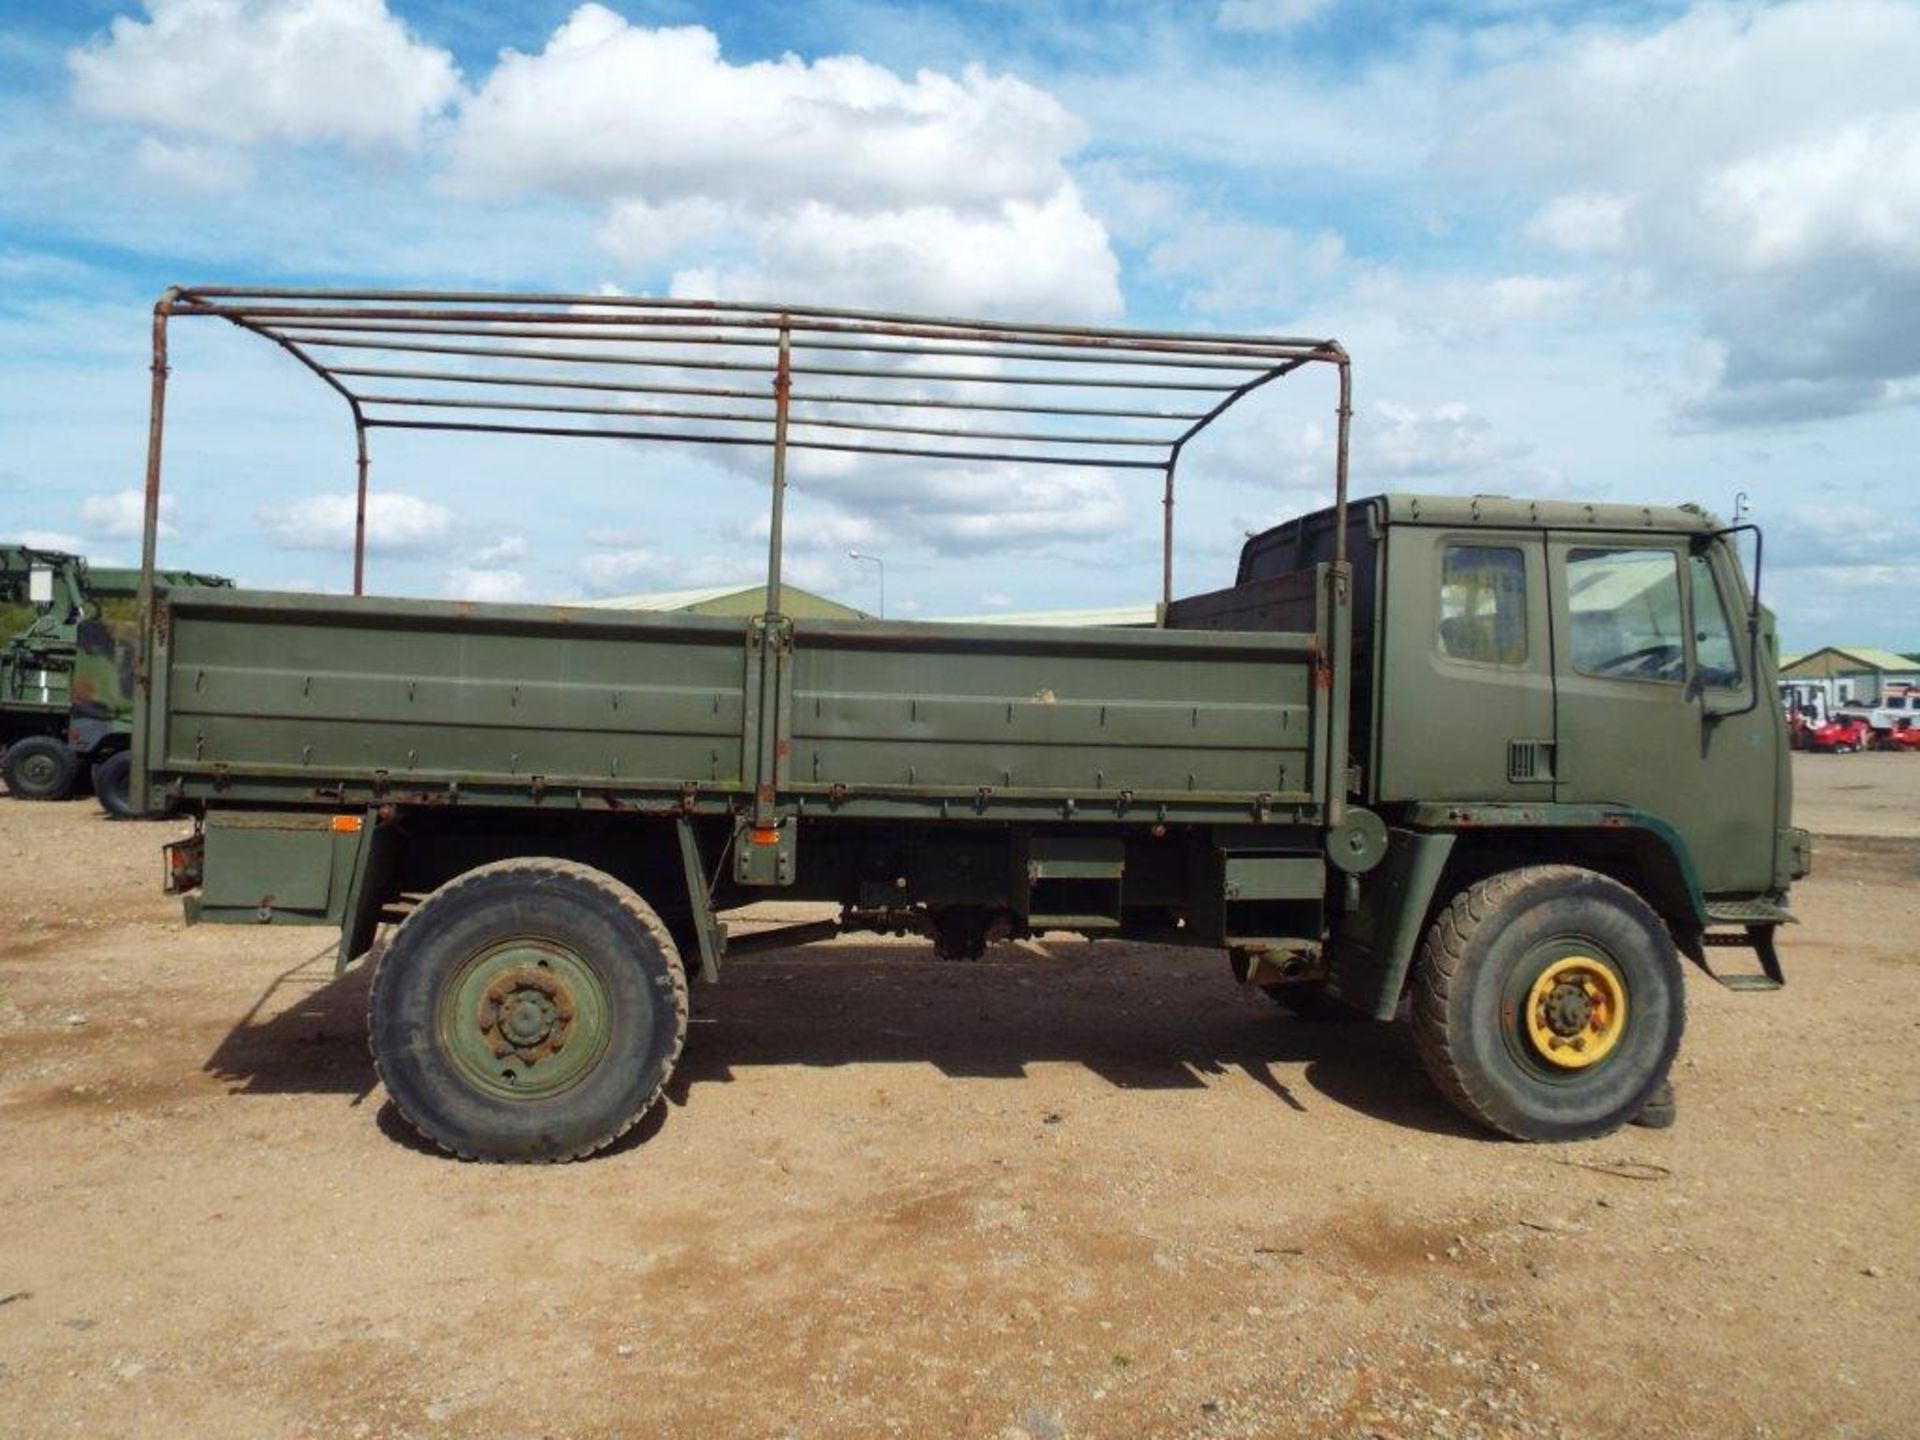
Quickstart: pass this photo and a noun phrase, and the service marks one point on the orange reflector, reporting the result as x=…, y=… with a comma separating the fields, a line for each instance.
x=346, y=824
x=762, y=835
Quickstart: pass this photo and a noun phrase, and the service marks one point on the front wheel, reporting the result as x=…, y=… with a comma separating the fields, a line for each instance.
x=1548, y=1003
x=530, y=1010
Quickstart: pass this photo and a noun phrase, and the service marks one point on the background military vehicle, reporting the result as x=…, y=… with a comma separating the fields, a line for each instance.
x=47, y=597
x=1507, y=759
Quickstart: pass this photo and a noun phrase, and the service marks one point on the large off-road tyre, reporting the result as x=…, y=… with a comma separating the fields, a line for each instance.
x=1548, y=1003
x=113, y=784
x=530, y=1010
x=39, y=767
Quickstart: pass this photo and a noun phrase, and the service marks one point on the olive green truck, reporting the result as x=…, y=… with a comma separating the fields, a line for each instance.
x=1506, y=761
x=56, y=725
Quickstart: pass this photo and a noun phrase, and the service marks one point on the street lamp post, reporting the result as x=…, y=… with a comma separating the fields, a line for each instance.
x=876, y=560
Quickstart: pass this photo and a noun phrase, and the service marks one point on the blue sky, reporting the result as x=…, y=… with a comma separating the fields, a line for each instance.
x=1640, y=252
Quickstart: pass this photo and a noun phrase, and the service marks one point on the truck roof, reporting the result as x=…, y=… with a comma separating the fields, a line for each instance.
x=1298, y=543
x=1507, y=511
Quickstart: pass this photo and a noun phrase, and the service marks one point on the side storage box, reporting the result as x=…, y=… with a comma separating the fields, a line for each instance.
x=277, y=868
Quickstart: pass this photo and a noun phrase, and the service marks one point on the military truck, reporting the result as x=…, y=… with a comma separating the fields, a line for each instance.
x=53, y=726
x=1504, y=760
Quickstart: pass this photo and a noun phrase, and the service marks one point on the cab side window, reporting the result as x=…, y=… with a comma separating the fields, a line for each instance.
x=1624, y=605
x=1483, y=604
x=1713, y=646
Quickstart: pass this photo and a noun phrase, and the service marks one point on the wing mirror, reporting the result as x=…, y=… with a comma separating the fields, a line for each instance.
x=1696, y=684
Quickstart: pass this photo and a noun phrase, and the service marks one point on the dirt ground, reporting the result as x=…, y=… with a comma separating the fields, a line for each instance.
x=1070, y=1191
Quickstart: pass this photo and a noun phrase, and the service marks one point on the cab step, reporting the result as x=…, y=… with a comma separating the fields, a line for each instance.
x=1758, y=911
x=1758, y=938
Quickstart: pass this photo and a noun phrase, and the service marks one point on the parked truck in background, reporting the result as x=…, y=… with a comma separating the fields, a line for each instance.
x=47, y=597
x=1508, y=760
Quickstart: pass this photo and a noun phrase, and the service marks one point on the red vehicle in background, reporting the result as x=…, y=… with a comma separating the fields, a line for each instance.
x=1842, y=736
x=1901, y=737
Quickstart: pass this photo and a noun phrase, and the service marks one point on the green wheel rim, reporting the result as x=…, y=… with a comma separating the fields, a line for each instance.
x=1514, y=1000
x=39, y=771
x=524, y=1019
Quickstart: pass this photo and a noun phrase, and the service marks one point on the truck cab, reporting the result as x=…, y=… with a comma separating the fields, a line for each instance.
x=1566, y=682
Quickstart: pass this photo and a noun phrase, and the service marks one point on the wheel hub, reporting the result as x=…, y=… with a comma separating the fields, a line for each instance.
x=528, y=1013
x=38, y=770
x=1568, y=1010
x=1576, y=1012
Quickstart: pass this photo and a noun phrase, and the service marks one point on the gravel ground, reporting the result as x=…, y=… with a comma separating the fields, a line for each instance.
x=1072, y=1190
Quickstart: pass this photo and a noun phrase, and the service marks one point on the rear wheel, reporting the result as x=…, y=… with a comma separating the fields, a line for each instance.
x=530, y=1010
x=1548, y=1003
x=113, y=784
x=39, y=768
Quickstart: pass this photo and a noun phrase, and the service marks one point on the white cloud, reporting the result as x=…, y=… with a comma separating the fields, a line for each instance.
x=1401, y=442
x=397, y=524
x=896, y=505
x=488, y=574
x=635, y=568
x=826, y=533
x=508, y=547
x=1049, y=257
x=1448, y=446
x=1854, y=190
x=487, y=586
x=1759, y=164
x=970, y=508
x=1836, y=563
x=643, y=233
x=249, y=72
x=53, y=540
x=611, y=107
x=1269, y=15
x=1238, y=266
x=1582, y=223
x=835, y=180
x=195, y=168
x=122, y=515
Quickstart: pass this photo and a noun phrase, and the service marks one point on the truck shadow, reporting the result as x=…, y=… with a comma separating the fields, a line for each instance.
x=1140, y=1017
x=306, y=1034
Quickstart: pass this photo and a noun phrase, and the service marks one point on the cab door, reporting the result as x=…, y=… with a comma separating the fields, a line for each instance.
x=1466, y=702
x=1653, y=698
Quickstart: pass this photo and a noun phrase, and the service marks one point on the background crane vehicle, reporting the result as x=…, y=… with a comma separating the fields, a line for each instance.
x=1509, y=759
x=46, y=598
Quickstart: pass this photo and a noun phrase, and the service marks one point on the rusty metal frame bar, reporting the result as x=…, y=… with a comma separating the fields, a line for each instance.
x=721, y=392
x=332, y=330
x=645, y=334
x=746, y=367
x=735, y=417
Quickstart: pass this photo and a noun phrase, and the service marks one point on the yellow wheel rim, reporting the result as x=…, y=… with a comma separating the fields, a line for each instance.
x=1576, y=1012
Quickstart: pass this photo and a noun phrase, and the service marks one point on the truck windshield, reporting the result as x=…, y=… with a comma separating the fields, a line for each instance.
x=1625, y=610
